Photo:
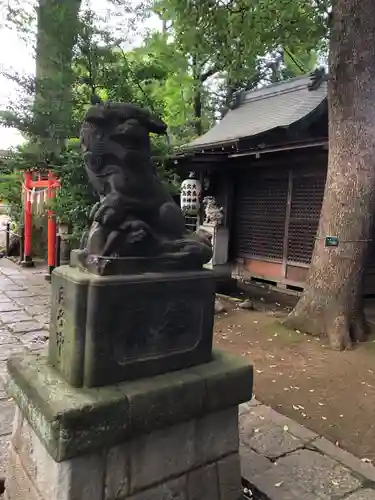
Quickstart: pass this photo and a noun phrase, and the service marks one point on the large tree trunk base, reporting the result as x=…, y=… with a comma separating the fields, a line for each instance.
x=359, y=328
x=341, y=327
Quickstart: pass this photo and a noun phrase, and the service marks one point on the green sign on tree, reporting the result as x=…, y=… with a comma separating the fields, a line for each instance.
x=331, y=241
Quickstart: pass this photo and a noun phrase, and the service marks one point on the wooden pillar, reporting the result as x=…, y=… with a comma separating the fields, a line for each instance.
x=28, y=221
x=51, y=224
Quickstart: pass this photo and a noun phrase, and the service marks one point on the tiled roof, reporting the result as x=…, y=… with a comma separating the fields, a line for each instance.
x=262, y=110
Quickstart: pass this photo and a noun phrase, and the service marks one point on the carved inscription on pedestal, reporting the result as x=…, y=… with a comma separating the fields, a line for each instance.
x=60, y=321
x=157, y=327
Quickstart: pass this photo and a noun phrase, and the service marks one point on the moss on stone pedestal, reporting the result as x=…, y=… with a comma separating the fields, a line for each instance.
x=71, y=421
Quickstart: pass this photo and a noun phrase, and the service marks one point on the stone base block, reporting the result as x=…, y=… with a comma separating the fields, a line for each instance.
x=169, y=437
x=108, y=329
x=197, y=460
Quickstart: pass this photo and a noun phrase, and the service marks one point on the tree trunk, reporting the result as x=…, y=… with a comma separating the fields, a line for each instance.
x=332, y=301
x=198, y=110
x=57, y=31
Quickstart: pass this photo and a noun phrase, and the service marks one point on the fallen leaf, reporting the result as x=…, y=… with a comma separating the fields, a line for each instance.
x=324, y=418
x=286, y=428
x=366, y=460
x=277, y=485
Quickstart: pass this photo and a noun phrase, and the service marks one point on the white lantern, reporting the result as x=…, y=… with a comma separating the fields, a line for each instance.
x=190, y=195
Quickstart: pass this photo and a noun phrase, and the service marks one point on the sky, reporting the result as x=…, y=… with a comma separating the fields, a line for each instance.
x=16, y=56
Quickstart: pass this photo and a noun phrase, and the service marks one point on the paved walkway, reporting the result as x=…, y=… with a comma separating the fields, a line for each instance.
x=282, y=459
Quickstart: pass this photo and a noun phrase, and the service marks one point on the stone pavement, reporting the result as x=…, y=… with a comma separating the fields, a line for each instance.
x=287, y=461
x=282, y=459
x=24, y=318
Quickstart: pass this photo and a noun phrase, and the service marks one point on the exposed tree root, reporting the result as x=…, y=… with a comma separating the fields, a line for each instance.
x=338, y=332
x=342, y=328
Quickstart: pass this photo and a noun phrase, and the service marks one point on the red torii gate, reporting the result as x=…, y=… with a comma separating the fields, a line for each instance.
x=30, y=184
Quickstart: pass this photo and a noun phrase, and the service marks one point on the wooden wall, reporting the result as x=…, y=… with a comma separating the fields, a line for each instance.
x=275, y=212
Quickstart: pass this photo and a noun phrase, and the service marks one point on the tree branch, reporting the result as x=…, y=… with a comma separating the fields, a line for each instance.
x=210, y=72
x=136, y=79
x=299, y=66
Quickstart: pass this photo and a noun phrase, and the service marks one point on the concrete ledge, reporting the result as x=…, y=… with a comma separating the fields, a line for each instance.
x=71, y=421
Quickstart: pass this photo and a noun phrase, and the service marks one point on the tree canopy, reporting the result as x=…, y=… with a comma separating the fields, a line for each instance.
x=187, y=69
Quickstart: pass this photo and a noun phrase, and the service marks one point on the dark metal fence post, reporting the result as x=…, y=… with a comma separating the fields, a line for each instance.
x=7, y=239
x=22, y=240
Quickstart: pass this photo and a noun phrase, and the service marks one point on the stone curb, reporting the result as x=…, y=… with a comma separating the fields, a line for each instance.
x=367, y=470
x=362, y=471
x=297, y=430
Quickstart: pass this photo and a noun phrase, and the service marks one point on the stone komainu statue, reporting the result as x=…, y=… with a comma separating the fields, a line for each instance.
x=213, y=213
x=136, y=216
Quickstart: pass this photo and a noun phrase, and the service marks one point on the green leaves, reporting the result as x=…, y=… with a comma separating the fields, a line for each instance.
x=76, y=196
x=230, y=34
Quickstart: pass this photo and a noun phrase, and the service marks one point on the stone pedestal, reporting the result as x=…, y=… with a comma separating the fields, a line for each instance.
x=173, y=436
x=131, y=402
x=107, y=329
x=220, y=242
